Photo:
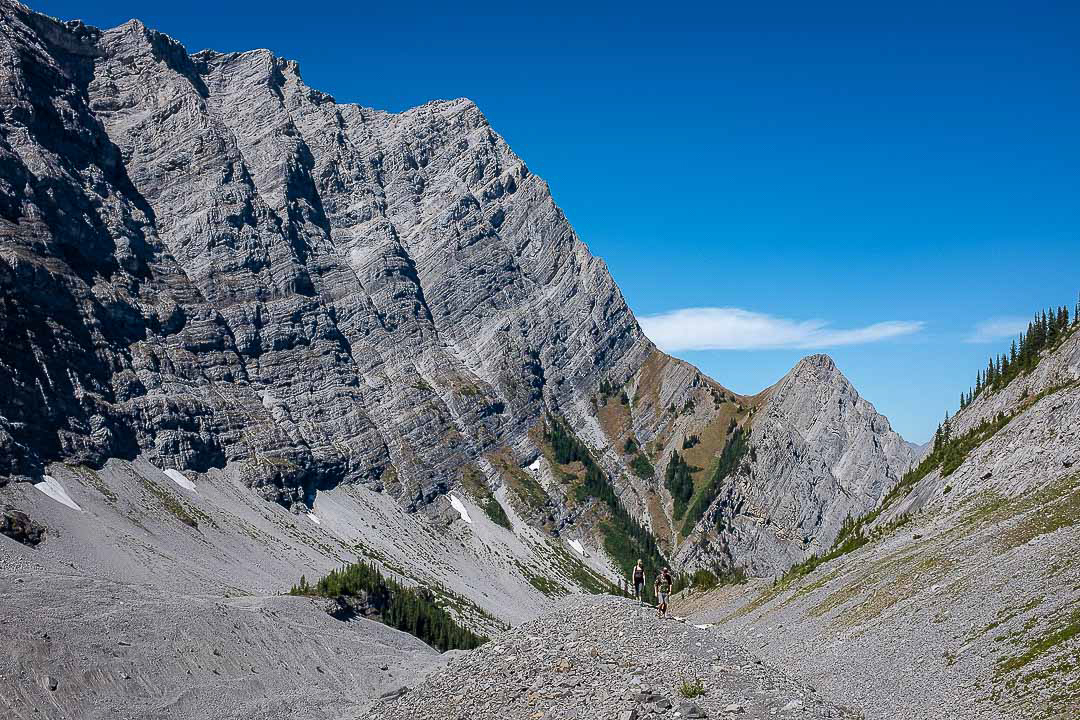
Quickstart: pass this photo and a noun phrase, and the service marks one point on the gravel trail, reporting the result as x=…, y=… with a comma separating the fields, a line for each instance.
x=598, y=657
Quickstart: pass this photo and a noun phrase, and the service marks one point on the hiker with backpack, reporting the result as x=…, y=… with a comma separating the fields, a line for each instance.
x=639, y=581
x=662, y=587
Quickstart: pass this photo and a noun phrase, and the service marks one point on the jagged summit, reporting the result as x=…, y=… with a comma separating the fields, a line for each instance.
x=816, y=453
x=817, y=360
x=211, y=268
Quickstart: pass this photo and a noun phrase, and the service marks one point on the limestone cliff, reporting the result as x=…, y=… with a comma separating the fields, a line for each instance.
x=209, y=265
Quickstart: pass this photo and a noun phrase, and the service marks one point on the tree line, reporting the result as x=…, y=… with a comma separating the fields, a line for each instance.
x=1046, y=330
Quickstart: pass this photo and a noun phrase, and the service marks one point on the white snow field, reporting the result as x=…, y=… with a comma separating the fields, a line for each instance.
x=178, y=477
x=460, y=507
x=578, y=547
x=56, y=491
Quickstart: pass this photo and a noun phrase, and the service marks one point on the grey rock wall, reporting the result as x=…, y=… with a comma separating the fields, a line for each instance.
x=818, y=453
x=211, y=263
x=208, y=264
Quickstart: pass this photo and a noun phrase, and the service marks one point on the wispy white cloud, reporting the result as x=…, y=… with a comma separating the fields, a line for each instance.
x=712, y=328
x=997, y=328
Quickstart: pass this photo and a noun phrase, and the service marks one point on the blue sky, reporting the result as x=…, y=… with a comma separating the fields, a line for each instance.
x=885, y=184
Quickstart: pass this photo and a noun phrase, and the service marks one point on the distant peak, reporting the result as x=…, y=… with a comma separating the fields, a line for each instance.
x=817, y=369
x=819, y=361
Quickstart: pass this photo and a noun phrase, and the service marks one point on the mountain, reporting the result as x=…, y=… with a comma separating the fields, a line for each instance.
x=209, y=266
x=956, y=596
x=817, y=454
x=253, y=334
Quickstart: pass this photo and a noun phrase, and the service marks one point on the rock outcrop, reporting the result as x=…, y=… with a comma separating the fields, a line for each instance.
x=19, y=527
x=209, y=263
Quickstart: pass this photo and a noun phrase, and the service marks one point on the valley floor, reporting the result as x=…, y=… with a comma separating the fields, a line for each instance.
x=601, y=657
x=975, y=616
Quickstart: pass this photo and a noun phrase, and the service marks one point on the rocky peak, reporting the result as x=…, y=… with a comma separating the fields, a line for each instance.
x=210, y=265
x=817, y=453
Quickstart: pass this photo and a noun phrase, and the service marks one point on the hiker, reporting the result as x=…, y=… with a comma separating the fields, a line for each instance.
x=662, y=587
x=639, y=581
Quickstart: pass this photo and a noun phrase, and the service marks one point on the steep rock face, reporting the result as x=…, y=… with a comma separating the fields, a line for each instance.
x=253, y=275
x=208, y=264
x=817, y=453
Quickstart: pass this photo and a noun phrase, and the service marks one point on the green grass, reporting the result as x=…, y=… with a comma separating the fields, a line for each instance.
x=171, y=503
x=1057, y=507
x=521, y=483
x=547, y=586
x=703, y=580
x=729, y=461
x=474, y=482
x=584, y=576
x=1061, y=631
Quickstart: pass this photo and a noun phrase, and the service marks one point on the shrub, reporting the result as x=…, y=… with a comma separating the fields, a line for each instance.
x=642, y=467
x=692, y=689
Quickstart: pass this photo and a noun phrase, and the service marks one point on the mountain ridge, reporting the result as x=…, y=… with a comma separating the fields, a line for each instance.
x=243, y=276
x=966, y=575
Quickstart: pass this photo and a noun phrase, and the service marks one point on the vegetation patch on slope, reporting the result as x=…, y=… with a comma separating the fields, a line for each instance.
x=679, y=482
x=476, y=485
x=625, y=539
x=853, y=535
x=728, y=462
x=642, y=467
x=613, y=412
x=1053, y=508
x=1052, y=647
x=179, y=509
x=585, y=577
x=704, y=580
x=700, y=449
x=521, y=483
x=411, y=610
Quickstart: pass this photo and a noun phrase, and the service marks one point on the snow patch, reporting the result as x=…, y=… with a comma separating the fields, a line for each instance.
x=51, y=487
x=460, y=507
x=576, y=544
x=314, y=518
x=706, y=626
x=535, y=466
x=178, y=477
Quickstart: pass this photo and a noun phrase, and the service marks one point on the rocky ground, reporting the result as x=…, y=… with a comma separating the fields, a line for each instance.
x=598, y=657
x=74, y=647
x=148, y=598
